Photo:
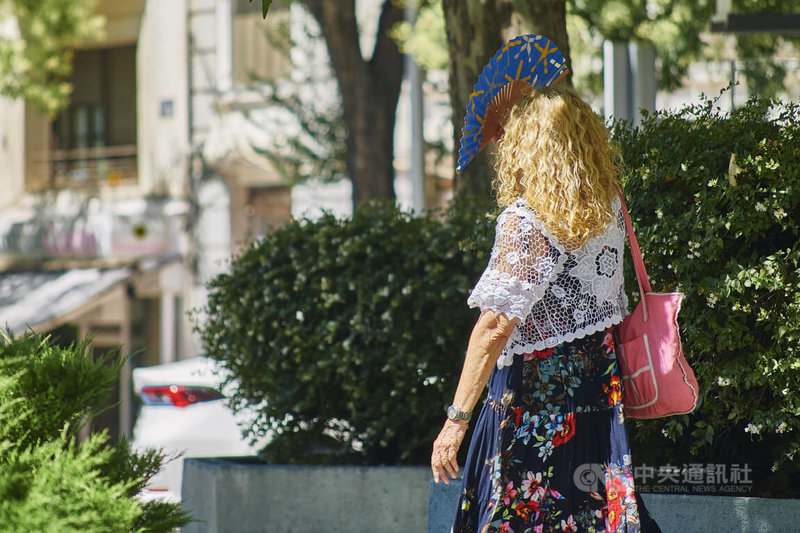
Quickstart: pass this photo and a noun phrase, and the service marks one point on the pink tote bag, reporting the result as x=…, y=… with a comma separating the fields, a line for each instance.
x=657, y=380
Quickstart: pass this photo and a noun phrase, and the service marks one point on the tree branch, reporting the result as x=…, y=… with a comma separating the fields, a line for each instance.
x=386, y=50
x=340, y=30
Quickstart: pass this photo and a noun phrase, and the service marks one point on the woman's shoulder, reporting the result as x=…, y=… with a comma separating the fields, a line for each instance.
x=520, y=208
x=519, y=216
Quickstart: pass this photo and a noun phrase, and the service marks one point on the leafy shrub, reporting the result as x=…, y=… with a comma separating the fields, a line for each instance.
x=715, y=200
x=356, y=328
x=49, y=481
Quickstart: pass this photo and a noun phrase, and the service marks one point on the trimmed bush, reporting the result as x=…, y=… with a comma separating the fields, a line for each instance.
x=715, y=200
x=51, y=482
x=354, y=329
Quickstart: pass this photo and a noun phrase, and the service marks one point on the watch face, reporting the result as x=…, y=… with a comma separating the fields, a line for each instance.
x=454, y=413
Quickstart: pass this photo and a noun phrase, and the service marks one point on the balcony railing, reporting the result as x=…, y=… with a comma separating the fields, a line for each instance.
x=86, y=167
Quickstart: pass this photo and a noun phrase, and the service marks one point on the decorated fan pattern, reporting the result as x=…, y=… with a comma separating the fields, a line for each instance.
x=524, y=63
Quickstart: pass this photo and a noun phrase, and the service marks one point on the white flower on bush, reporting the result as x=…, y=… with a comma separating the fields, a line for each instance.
x=694, y=250
x=782, y=427
x=753, y=429
x=299, y=316
x=665, y=432
x=723, y=382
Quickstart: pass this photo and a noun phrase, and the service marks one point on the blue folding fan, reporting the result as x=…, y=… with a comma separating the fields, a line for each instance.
x=523, y=63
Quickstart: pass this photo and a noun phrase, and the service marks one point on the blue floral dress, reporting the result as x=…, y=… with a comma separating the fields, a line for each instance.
x=550, y=450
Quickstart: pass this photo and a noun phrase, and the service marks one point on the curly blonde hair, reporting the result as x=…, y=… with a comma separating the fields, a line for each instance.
x=556, y=153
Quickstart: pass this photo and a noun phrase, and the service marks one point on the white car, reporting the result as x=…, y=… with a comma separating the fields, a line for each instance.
x=184, y=412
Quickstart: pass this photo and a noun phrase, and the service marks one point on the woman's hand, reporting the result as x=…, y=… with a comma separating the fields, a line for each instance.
x=445, y=450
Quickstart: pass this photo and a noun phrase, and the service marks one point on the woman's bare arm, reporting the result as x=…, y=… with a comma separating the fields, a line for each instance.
x=489, y=337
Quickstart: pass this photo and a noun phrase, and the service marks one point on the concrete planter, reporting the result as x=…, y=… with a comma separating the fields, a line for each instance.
x=675, y=513
x=238, y=496
x=241, y=495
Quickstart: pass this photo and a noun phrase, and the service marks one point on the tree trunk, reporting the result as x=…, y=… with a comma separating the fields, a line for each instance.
x=370, y=90
x=476, y=29
x=370, y=142
x=548, y=18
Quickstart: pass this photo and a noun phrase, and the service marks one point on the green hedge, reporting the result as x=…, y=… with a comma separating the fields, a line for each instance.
x=357, y=328
x=352, y=328
x=51, y=482
x=715, y=200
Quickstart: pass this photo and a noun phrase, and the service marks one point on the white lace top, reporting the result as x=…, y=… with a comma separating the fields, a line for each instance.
x=559, y=296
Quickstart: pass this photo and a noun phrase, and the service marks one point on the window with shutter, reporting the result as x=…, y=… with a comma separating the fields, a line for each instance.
x=93, y=141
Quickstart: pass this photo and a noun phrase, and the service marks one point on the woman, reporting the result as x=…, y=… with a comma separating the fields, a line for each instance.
x=549, y=451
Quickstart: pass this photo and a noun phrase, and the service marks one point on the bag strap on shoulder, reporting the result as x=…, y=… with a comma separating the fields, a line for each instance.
x=636, y=253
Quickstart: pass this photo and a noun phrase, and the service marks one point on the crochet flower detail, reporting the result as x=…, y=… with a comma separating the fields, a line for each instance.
x=598, y=266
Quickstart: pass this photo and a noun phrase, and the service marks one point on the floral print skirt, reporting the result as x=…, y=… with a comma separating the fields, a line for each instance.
x=549, y=450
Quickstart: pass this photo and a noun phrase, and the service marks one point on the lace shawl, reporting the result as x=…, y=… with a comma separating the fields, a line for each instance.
x=558, y=296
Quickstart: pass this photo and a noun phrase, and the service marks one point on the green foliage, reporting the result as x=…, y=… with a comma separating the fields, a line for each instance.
x=425, y=38
x=36, y=61
x=56, y=486
x=39, y=369
x=354, y=329
x=49, y=480
x=715, y=200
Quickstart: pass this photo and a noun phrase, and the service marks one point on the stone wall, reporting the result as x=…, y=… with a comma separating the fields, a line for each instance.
x=241, y=496
x=229, y=496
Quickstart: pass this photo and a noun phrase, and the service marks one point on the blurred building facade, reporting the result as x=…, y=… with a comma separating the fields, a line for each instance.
x=117, y=212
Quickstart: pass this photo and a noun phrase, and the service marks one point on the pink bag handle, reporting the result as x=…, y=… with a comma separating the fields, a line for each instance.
x=636, y=253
